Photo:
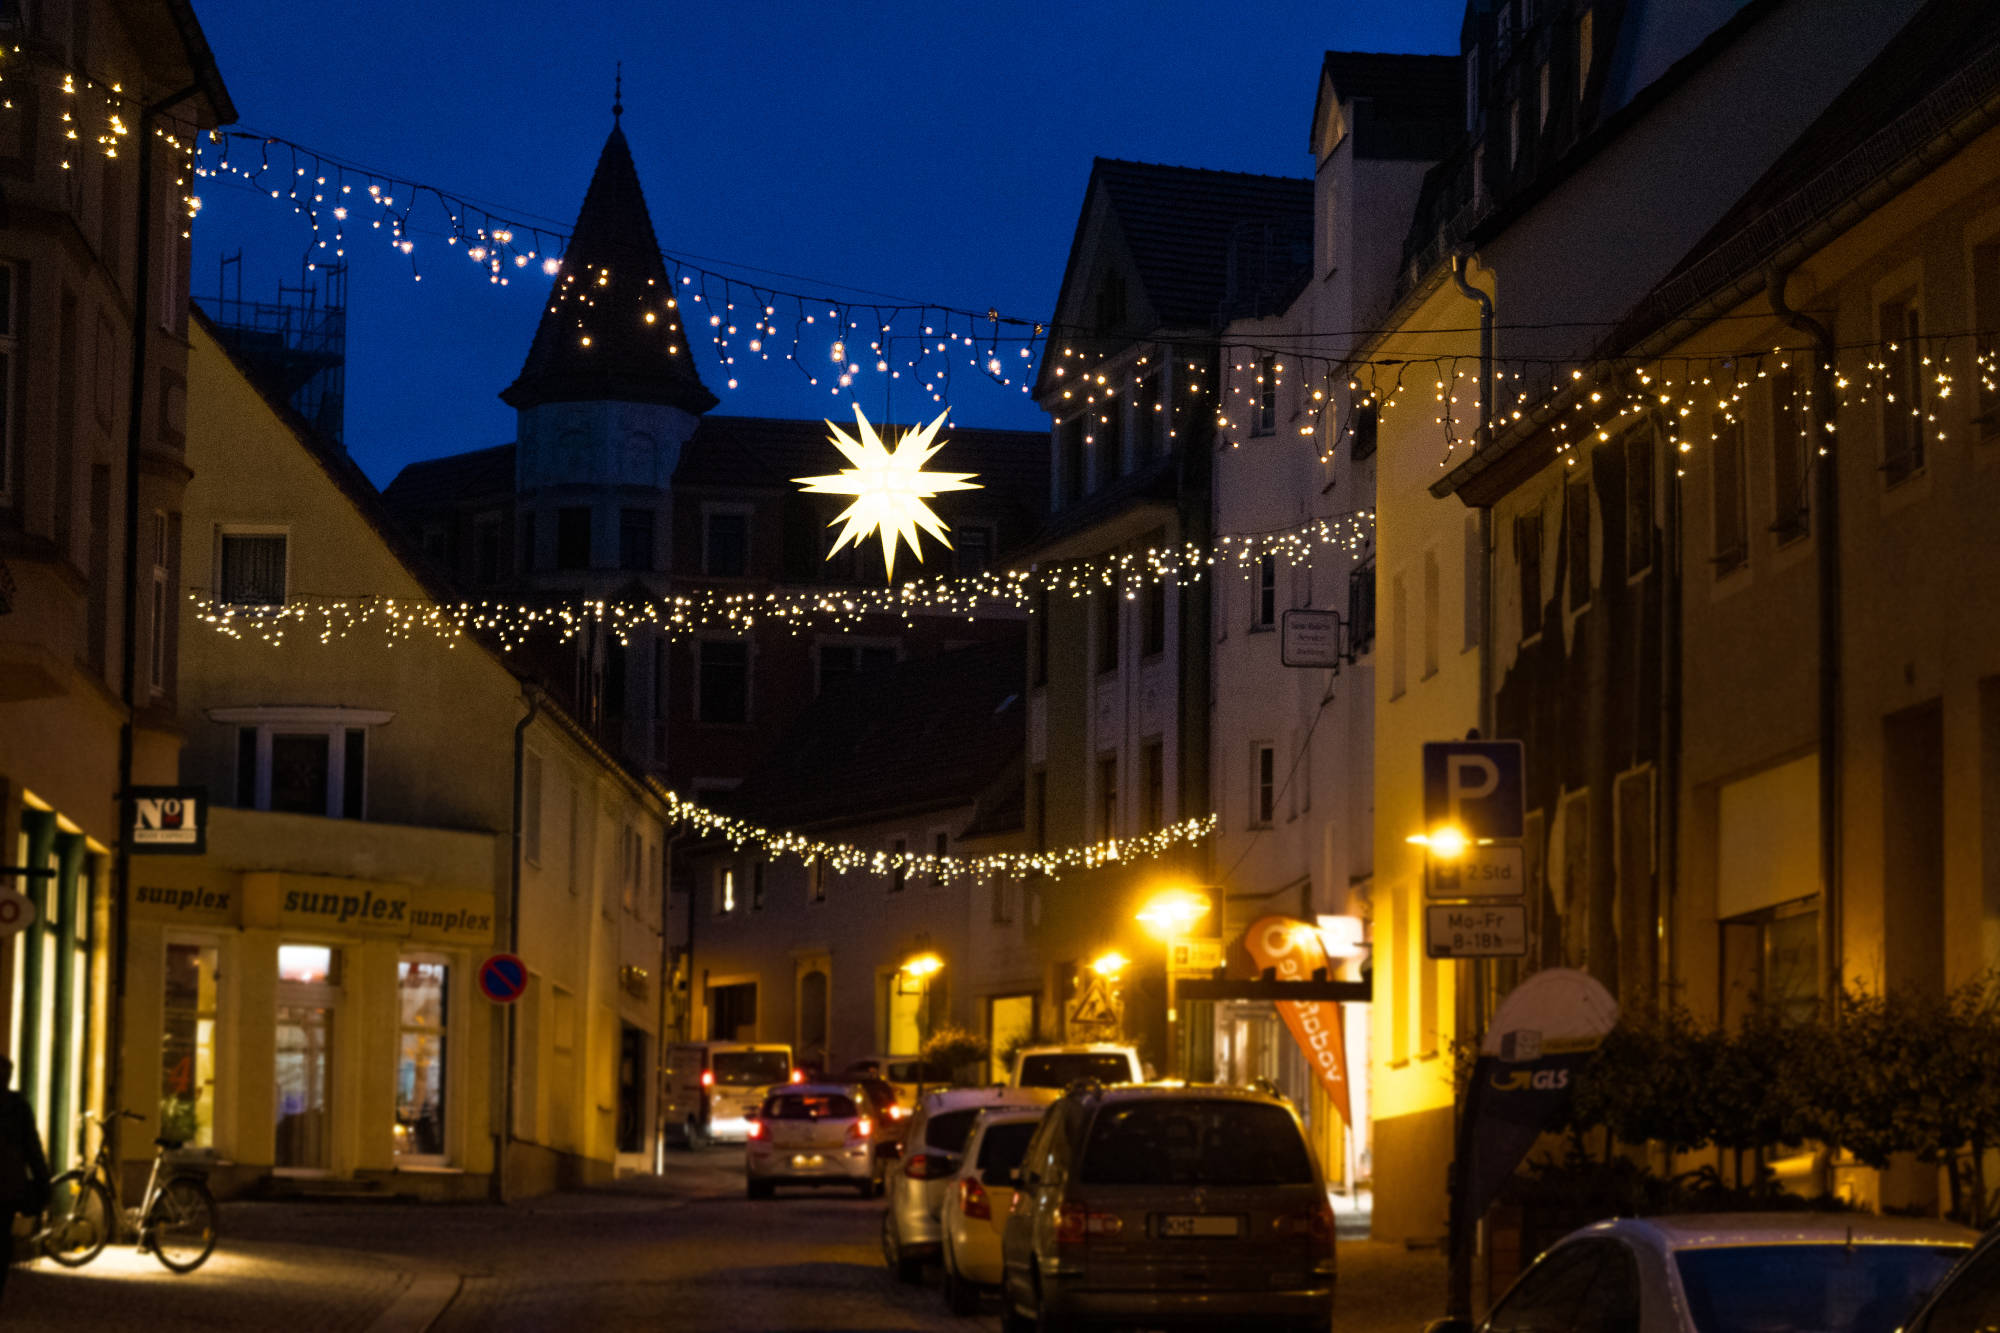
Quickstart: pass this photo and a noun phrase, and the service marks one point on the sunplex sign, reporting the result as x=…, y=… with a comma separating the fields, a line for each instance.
x=1292, y=950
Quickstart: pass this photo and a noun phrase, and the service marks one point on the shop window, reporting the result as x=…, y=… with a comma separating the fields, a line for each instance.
x=187, y=1046
x=251, y=568
x=1770, y=961
x=423, y=993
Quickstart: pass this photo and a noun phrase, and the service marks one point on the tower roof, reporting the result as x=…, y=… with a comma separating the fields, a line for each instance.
x=594, y=343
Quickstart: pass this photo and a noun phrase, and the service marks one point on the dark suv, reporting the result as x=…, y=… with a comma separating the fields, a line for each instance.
x=1169, y=1204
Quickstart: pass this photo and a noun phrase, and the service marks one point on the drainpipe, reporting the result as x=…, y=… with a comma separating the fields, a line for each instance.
x=1460, y=262
x=1826, y=544
x=1459, y=1293
x=534, y=698
x=135, y=429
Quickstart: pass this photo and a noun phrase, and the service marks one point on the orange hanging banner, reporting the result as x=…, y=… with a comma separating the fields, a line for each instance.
x=1292, y=950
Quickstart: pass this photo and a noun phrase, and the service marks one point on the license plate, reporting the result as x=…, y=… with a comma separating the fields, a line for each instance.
x=808, y=1159
x=1183, y=1225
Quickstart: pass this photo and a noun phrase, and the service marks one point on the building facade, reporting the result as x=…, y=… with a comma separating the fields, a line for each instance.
x=93, y=414
x=302, y=999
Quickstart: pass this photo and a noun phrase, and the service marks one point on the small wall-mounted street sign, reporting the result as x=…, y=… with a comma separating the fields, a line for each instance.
x=17, y=912
x=1309, y=639
x=167, y=821
x=502, y=978
x=1482, y=870
x=1475, y=786
x=1196, y=955
x=1476, y=930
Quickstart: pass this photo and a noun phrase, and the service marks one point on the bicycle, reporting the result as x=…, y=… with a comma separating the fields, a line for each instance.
x=176, y=1219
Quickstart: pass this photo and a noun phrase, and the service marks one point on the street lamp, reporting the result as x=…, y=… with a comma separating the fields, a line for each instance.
x=1109, y=964
x=922, y=968
x=1169, y=915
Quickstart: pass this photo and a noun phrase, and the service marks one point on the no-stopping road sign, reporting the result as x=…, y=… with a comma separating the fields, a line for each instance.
x=502, y=978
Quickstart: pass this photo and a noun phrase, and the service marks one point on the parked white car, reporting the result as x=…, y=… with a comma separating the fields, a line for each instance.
x=1722, y=1272
x=1059, y=1066
x=917, y=1182
x=977, y=1201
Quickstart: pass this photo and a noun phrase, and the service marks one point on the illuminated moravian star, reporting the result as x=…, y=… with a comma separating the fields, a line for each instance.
x=889, y=487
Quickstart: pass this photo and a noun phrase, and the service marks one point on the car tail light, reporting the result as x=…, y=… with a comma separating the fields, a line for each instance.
x=861, y=1129
x=972, y=1199
x=899, y=1112
x=756, y=1130
x=798, y=1076
x=708, y=1078
x=1075, y=1224
x=1315, y=1224
x=927, y=1166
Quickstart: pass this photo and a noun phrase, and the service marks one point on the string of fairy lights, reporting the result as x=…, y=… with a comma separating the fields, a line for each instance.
x=326, y=618
x=1099, y=389
x=845, y=858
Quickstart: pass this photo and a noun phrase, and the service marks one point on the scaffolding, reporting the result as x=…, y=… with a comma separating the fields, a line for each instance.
x=295, y=346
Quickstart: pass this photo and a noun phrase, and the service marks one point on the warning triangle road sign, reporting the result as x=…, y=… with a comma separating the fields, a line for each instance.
x=1094, y=1006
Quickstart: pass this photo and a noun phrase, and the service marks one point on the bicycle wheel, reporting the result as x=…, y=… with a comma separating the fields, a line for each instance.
x=180, y=1227
x=78, y=1222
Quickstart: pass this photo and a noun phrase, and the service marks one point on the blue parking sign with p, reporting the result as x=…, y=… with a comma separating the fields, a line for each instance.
x=1475, y=786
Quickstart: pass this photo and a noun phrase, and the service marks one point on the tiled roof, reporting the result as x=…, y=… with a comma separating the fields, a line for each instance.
x=612, y=276
x=1181, y=223
x=440, y=483
x=923, y=734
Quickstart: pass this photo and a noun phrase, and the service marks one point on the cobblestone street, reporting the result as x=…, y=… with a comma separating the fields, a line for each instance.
x=683, y=1251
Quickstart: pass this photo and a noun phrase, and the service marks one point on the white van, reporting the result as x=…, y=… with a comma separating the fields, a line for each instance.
x=710, y=1088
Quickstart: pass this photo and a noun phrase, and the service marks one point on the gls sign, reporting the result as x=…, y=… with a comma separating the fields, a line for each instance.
x=167, y=820
x=1474, y=786
x=1531, y=1080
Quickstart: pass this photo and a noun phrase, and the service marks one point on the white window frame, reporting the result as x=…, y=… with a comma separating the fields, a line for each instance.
x=335, y=723
x=224, y=531
x=1267, y=583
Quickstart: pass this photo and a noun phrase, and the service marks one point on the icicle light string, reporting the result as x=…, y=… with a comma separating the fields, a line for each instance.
x=744, y=320
x=847, y=858
x=326, y=618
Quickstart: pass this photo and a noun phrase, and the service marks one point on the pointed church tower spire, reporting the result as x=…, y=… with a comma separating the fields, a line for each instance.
x=608, y=332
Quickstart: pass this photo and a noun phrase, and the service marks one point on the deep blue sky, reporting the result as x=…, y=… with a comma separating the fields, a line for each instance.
x=925, y=150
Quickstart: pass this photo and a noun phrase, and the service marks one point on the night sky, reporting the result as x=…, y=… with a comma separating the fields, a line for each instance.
x=919, y=150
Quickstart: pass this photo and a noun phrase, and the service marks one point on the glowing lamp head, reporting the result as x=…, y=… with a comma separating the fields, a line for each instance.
x=1173, y=913
x=1109, y=964
x=1447, y=843
x=923, y=966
